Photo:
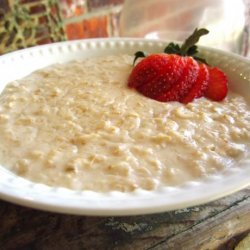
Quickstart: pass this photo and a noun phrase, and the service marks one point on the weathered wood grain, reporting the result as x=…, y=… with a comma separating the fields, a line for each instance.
x=208, y=226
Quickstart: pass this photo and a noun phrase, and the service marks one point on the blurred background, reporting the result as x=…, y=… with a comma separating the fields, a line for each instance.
x=26, y=23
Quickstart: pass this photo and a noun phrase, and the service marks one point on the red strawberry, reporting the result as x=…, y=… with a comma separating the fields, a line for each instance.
x=199, y=86
x=184, y=84
x=217, y=85
x=175, y=76
x=156, y=73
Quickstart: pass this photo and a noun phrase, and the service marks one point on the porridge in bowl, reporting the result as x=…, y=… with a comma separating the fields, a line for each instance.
x=78, y=125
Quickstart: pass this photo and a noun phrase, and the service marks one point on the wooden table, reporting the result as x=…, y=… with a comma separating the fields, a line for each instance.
x=217, y=225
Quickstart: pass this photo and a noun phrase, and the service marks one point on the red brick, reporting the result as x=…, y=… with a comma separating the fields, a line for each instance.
x=94, y=4
x=29, y=1
x=71, y=8
x=54, y=10
x=74, y=31
x=45, y=41
x=2, y=14
x=4, y=5
x=96, y=27
x=43, y=20
x=39, y=8
x=90, y=28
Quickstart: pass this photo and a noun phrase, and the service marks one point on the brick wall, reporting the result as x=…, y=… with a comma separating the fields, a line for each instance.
x=25, y=23
x=90, y=18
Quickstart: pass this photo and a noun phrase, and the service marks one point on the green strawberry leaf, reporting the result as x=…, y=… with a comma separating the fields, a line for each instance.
x=188, y=48
x=192, y=50
x=139, y=54
x=200, y=59
x=172, y=49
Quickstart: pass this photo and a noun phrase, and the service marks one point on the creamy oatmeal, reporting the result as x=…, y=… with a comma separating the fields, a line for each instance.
x=77, y=125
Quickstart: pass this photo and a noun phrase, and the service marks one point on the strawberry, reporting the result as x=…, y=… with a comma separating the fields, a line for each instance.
x=178, y=74
x=217, y=85
x=156, y=73
x=199, y=86
x=184, y=84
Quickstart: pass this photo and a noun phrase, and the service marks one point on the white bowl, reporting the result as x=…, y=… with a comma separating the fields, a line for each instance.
x=21, y=191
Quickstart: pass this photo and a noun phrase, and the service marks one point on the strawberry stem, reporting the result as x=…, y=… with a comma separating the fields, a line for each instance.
x=192, y=40
x=188, y=48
